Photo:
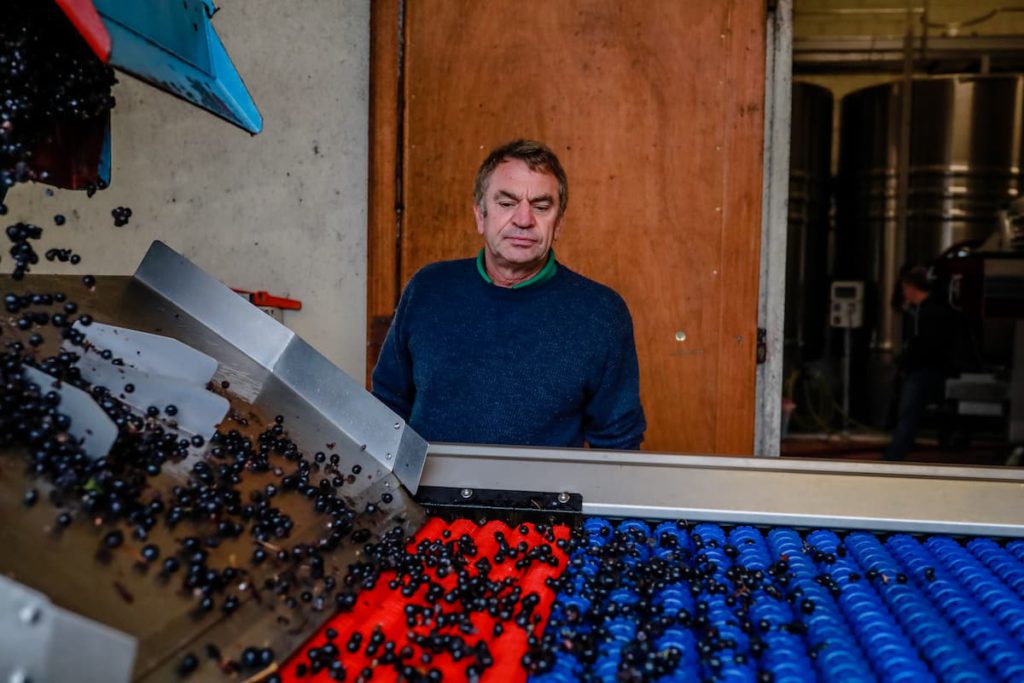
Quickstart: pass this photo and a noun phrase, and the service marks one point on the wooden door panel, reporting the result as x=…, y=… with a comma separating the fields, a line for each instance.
x=655, y=110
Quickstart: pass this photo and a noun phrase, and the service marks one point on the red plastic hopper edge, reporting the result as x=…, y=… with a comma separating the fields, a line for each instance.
x=86, y=19
x=384, y=606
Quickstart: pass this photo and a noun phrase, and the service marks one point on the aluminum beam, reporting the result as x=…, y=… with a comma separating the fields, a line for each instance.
x=805, y=493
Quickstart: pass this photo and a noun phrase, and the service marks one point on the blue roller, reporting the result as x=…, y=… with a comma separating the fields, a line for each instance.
x=784, y=605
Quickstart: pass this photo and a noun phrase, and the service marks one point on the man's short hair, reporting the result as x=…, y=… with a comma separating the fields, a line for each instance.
x=536, y=155
x=917, y=277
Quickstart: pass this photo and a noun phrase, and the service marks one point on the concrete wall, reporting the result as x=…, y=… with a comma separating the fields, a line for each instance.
x=283, y=211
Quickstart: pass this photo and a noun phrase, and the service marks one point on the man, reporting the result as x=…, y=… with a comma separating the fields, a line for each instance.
x=935, y=335
x=513, y=347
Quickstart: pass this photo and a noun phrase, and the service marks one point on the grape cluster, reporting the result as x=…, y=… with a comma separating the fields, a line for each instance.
x=63, y=255
x=22, y=251
x=48, y=76
x=121, y=492
x=121, y=215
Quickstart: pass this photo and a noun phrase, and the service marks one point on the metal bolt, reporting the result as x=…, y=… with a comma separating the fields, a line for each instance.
x=387, y=456
x=398, y=425
x=680, y=336
x=466, y=493
x=29, y=614
x=563, y=497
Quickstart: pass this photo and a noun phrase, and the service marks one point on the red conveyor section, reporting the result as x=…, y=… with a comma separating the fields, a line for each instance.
x=385, y=606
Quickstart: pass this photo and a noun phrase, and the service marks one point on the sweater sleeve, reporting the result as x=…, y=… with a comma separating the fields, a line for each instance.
x=614, y=418
x=392, y=376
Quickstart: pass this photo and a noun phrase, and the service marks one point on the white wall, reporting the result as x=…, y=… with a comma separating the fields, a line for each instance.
x=283, y=211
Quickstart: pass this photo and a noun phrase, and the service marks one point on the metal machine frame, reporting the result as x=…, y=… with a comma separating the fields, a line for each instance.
x=743, y=490
x=366, y=422
x=270, y=370
x=264, y=369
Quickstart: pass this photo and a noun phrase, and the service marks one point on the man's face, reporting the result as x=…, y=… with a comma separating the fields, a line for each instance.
x=519, y=219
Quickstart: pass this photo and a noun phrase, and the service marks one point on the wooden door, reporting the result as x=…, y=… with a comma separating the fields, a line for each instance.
x=655, y=109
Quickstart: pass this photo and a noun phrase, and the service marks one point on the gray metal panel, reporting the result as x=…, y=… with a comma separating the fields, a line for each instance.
x=213, y=304
x=63, y=565
x=90, y=425
x=977, y=387
x=40, y=642
x=410, y=468
x=879, y=496
x=153, y=353
x=364, y=419
x=366, y=422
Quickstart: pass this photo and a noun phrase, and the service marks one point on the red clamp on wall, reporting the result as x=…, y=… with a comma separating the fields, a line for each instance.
x=268, y=300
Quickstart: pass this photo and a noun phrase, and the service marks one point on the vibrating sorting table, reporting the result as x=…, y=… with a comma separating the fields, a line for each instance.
x=641, y=566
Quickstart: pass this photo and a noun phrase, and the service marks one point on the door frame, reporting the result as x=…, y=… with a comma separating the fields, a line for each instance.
x=385, y=203
x=771, y=305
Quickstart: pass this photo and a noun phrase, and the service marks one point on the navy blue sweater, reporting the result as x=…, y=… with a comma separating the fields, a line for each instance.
x=550, y=364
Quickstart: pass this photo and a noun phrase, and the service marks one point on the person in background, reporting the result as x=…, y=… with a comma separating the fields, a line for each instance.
x=932, y=338
x=1010, y=236
x=512, y=347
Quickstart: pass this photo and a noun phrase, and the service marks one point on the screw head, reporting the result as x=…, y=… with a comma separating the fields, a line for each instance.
x=466, y=493
x=563, y=497
x=398, y=425
x=29, y=614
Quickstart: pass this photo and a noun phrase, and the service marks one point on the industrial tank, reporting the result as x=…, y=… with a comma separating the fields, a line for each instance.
x=964, y=160
x=807, y=240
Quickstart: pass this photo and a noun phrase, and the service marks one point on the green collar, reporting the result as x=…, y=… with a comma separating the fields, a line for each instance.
x=545, y=274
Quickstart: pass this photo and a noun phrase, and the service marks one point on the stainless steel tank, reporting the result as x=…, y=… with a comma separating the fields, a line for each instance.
x=807, y=240
x=964, y=160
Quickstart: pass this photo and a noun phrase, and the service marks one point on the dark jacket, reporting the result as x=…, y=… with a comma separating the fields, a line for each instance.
x=552, y=364
x=937, y=338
